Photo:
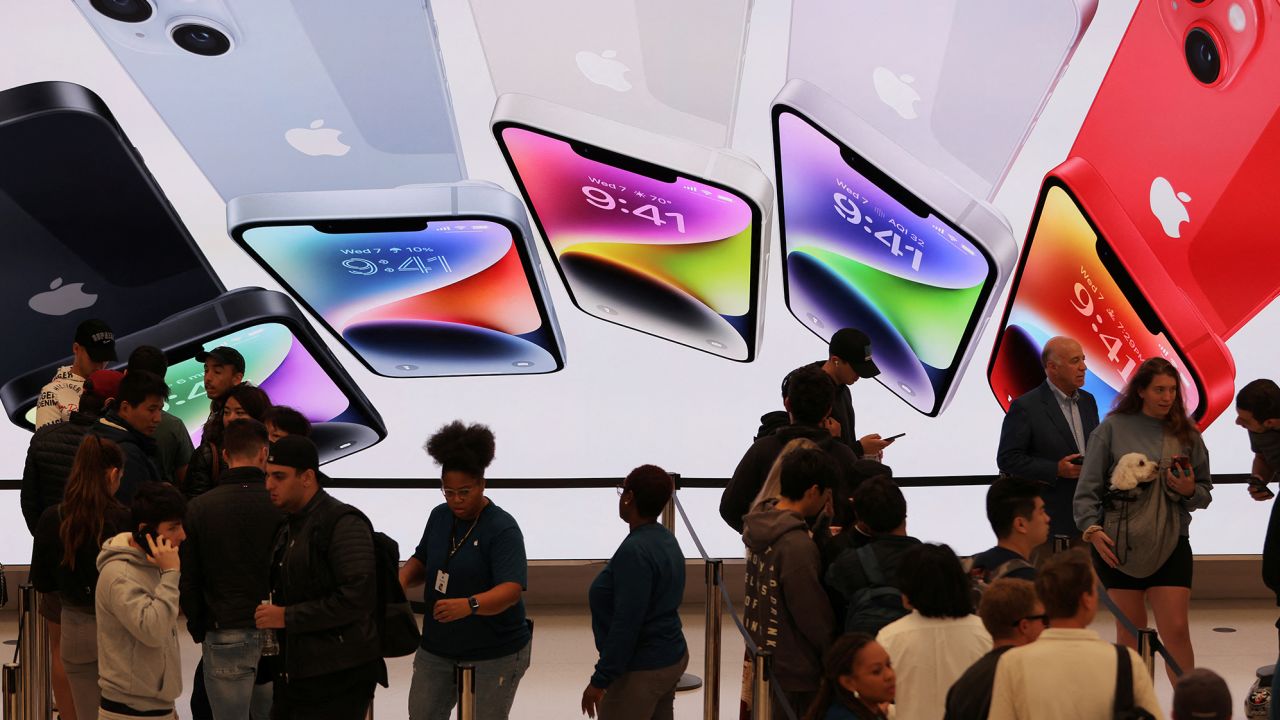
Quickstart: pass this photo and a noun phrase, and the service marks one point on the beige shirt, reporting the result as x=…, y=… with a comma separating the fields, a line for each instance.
x=929, y=655
x=1065, y=675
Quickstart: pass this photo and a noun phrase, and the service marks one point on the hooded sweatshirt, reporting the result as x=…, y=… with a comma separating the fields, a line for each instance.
x=786, y=609
x=137, y=609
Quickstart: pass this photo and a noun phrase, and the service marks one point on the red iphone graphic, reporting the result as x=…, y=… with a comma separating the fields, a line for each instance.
x=1087, y=272
x=1185, y=131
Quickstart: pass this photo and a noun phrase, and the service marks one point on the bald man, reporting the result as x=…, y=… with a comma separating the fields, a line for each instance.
x=1047, y=429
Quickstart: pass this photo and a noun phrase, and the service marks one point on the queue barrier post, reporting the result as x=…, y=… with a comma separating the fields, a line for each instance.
x=762, y=688
x=9, y=686
x=687, y=681
x=711, y=666
x=466, y=675
x=33, y=656
x=1061, y=543
x=1147, y=649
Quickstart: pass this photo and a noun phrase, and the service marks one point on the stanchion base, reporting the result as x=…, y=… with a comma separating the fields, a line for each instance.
x=688, y=681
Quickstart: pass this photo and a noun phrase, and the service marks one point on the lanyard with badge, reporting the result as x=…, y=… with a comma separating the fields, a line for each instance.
x=442, y=575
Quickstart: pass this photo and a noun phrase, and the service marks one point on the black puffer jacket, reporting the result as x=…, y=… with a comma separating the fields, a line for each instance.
x=226, y=558
x=324, y=575
x=49, y=458
x=138, y=449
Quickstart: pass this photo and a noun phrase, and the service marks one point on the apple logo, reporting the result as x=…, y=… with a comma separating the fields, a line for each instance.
x=1169, y=207
x=603, y=69
x=317, y=140
x=896, y=92
x=61, y=299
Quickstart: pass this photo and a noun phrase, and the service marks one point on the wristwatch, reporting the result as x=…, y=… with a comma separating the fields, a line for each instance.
x=474, y=603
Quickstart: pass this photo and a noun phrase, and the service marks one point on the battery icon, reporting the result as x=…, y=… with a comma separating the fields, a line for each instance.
x=725, y=198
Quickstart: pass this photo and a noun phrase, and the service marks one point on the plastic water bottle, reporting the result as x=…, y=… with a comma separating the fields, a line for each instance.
x=270, y=645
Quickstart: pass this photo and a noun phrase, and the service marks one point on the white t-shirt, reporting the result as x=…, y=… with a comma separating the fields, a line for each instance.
x=929, y=655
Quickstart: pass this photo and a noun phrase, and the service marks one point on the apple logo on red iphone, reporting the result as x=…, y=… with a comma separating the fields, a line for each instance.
x=1169, y=206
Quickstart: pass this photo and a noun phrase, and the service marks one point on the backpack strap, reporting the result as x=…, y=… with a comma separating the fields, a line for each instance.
x=1005, y=568
x=871, y=565
x=1124, y=682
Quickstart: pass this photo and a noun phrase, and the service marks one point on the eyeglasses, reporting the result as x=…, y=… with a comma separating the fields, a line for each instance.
x=461, y=494
x=1042, y=618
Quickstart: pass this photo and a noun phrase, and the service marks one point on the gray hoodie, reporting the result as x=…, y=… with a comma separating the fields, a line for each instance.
x=137, y=605
x=786, y=609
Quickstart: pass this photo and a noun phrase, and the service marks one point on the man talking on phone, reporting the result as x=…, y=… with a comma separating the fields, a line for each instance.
x=1043, y=437
x=139, y=666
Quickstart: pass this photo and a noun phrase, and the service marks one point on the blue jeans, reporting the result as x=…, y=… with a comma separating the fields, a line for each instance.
x=434, y=690
x=230, y=667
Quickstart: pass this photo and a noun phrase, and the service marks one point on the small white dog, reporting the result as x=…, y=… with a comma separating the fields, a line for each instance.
x=1133, y=468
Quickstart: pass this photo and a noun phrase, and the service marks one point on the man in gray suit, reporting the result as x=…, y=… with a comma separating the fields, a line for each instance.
x=1046, y=431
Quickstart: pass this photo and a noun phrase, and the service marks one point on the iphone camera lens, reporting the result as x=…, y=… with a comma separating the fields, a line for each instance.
x=201, y=39
x=130, y=11
x=1203, y=56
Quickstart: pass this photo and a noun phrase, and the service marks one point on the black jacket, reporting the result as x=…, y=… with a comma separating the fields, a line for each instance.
x=846, y=577
x=138, y=450
x=226, y=558
x=324, y=575
x=48, y=572
x=754, y=467
x=204, y=472
x=49, y=458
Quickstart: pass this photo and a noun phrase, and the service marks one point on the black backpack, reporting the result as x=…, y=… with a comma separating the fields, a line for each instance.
x=878, y=604
x=981, y=578
x=398, y=633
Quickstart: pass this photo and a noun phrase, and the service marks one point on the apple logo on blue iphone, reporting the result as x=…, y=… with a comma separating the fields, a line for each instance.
x=1169, y=207
x=61, y=299
x=317, y=140
x=603, y=69
x=896, y=92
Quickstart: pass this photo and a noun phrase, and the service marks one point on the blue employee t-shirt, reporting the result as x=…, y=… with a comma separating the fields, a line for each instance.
x=492, y=554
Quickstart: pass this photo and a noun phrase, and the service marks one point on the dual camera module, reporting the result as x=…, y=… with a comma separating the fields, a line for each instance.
x=190, y=36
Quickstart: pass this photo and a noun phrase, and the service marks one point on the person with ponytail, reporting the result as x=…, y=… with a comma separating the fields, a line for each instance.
x=858, y=681
x=472, y=560
x=1141, y=536
x=64, y=560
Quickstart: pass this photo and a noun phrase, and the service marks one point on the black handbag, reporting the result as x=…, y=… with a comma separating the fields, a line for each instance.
x=1123, y=708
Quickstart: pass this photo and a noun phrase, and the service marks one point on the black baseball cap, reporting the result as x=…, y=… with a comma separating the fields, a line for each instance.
x=223, y=355
x=854, y=347
x=294, y=451
x=96, y=338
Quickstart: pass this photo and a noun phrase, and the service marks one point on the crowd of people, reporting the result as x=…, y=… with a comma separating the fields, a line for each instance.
x=136, y=527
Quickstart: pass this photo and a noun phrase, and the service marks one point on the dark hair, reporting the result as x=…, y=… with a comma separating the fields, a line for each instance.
x=810, y=392
x=1005, y=604
x=836, y=663
x=803, y=468
x=91, y=403
x=462, y=448
x=253, y=399
x=1009, y=498
x=931, y=577
x=147, y=358
x=157, y=502
x=1128, y=402
x=1261, y=399
x=651, y=486
x=136, y=387
x=879, y=504
x=288, y=420
x=86, y=497
x=243, y=438
x=1062, y=580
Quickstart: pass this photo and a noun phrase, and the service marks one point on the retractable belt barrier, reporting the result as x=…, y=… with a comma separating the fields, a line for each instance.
x=767, y=692
x=1148, y=640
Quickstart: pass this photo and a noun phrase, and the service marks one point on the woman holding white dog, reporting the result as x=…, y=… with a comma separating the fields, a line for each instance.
x=1146, y=470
